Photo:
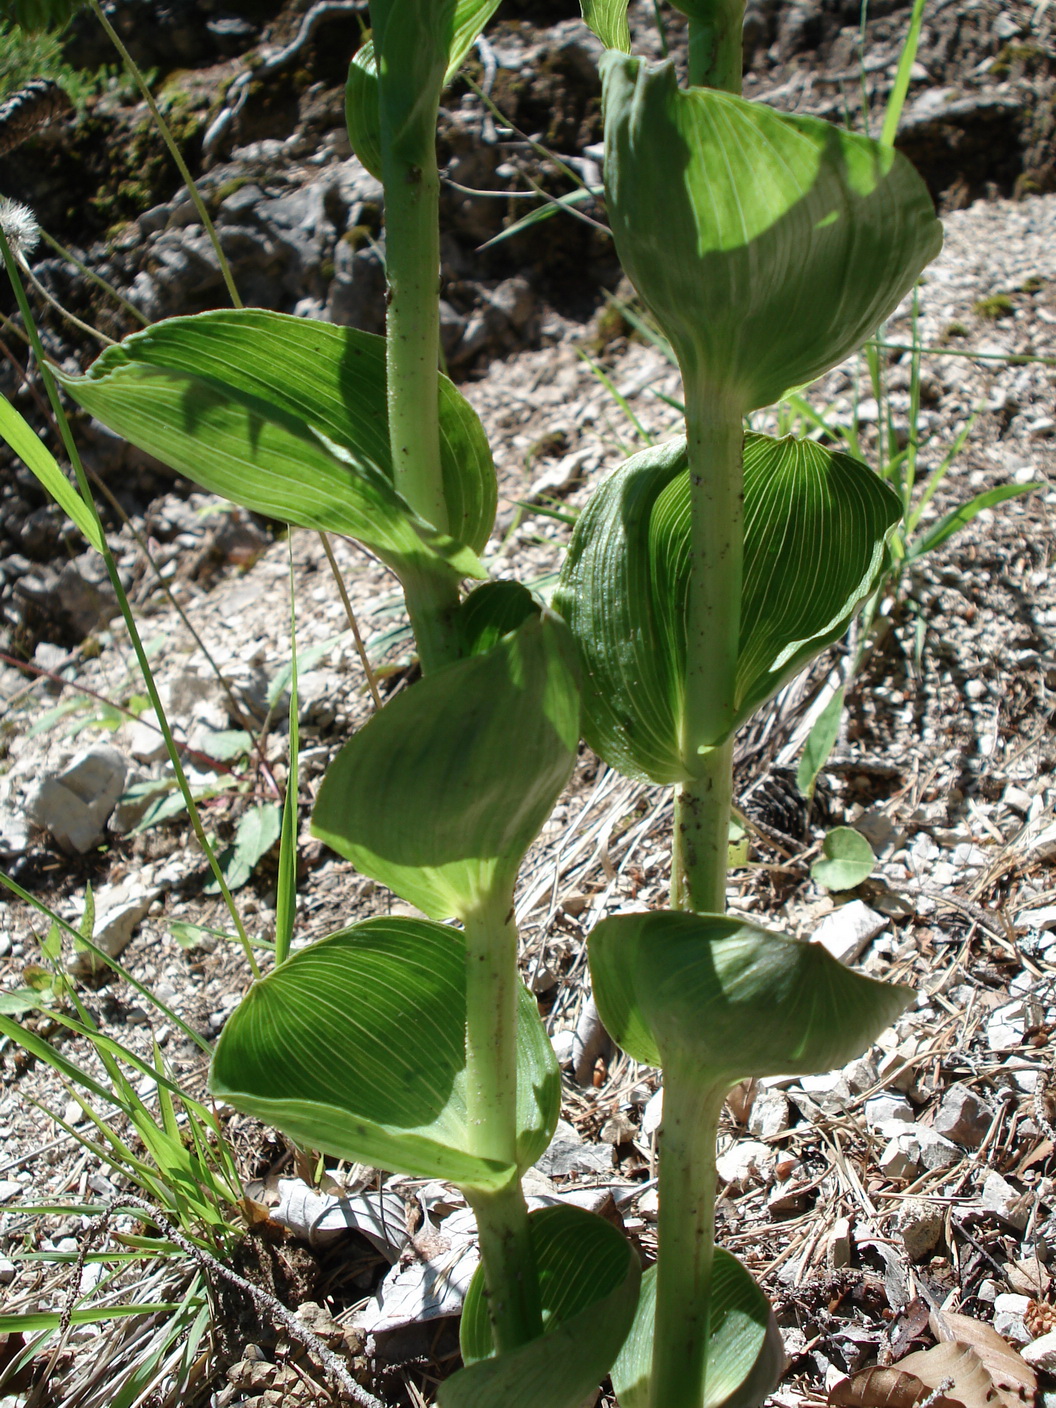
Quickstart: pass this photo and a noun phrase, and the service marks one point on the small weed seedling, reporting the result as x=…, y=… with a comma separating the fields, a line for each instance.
x=704, y=573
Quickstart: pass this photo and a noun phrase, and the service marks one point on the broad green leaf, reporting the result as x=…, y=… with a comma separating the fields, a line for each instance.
x=820, y=743
x=815, y=528
x=412, y=39
x=257, y=831
x=356, y=1046
x=608, y=20
x=362, y=114
x=846, y=859
x=957, y=518
x=733, y=999
x=442, y=792
x=19, y=1001
x=288, y=417
x=227, y=743
x=35, y=456
x=746, y=1356
x=492, y=611
x=588, y=1279
x=768, y=245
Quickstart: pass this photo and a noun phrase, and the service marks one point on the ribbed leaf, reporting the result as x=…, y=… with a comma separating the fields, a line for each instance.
x=37, y=457
x=815, y=530
x=412, y=39
x=288, y=417
x=362, y=115
x=588, y=1280
x=746, y=1356
x=608, y=20
x=356, y=1047
x=816, y=523
x=441, y=793
x=733, y=999
x=492, y=611
x=767, y=245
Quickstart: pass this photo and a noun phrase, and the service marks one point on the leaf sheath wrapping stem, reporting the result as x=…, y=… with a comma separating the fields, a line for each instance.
x=716, y=50
x=492, y=986
x=685, y=1235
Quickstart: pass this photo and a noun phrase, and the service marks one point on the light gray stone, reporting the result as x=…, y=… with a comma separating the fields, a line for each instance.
x=920, y=1226
x=914, y=1149
x=1000, y=1198
x=846, y=932
x=887, y=1106
x=769, y=1115
x=568, y=1154
x=1009, y=1311
x=75, y=803
x=830, y=1091
x=653, y=1114
x=118, y=909
x=1041, y=1353
x=1007, y=1026
x=748, y=1161
x=963, y=1117
x=841, y=1243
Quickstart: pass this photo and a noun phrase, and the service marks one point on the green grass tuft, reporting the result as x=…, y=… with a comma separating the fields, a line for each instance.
x=997, y=306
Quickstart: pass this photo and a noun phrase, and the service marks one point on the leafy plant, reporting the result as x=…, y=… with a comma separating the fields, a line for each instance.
x=704, y=573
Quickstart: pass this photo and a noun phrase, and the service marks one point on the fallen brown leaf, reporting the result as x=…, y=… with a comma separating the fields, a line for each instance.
x=884, y=1388
x=1013, y=1377
x=972, y=1366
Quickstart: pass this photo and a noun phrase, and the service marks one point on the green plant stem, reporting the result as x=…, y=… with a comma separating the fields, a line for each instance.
x=715, y=440
x=412, y=266
x=492, y=988
x=432, y=601
x=173, y=149
x=701, y=845
x=685, y=1236
x=716, y=51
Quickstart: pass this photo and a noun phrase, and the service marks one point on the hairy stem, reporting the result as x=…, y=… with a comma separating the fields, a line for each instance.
x=492, y=987
x=412, y=266
x=685, y=1237
x=700, y=852
x=715, y=44
x=715, y=446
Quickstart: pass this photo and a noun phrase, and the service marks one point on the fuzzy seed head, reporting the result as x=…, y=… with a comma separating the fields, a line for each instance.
x=20, y=227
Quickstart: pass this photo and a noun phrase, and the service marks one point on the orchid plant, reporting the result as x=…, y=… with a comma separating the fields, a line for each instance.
x=703, y=574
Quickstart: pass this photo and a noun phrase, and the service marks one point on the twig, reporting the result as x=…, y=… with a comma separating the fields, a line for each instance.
x=361, y=649
x=271, y=1307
